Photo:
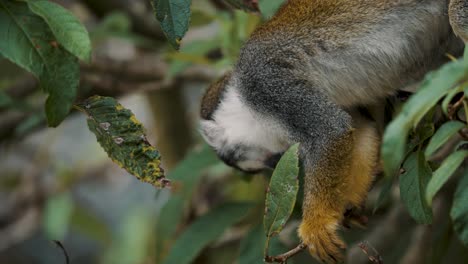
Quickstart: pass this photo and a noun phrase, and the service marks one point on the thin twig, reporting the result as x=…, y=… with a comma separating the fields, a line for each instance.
x=453, y=108
x=373, y=256
x=284, y=257
x=60, y=245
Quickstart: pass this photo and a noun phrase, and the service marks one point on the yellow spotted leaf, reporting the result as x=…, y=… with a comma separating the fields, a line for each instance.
x=123, y=137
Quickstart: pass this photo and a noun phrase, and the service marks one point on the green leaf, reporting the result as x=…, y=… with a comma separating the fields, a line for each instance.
x=66, y=27
x=443, y=173
x=269, y=7
x=26, y=40
x=123, y=137
x=393, y=146
x=205, y=230
x=185, y=177
x=282, y=192
x=465, y=54
x=174, y=16
x=57, y=215
x=444, y=133
x=459, y=211
x=434, y=87
x=413, y=185
x=245, y=5
x=423, y=131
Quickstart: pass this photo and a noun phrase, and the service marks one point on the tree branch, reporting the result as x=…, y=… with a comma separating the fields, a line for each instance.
x=284, y=257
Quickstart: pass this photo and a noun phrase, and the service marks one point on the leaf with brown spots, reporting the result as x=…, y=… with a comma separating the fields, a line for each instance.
x=123, y=137
x=68, y=30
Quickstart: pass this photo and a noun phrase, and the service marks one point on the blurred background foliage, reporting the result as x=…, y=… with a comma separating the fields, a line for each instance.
x=58, y=184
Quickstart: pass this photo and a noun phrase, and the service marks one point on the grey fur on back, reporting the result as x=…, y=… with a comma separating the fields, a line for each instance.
x=385, y=55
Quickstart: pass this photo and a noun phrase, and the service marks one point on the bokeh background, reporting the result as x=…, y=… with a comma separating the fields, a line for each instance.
x=58, y=184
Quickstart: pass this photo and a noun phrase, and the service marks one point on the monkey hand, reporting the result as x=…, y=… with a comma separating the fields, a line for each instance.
x=319, y=233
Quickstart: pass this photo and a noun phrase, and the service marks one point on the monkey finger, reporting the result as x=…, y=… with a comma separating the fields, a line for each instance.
x=319, y=251
x=333, y=252
x=332, y=249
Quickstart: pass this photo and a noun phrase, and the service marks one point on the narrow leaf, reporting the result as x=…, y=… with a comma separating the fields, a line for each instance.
x=122, y=136
x=26, y=40
x=282, y=192
x=68, y=30
x=413, y=185
x=435, y=86
x=204, y=231
x=444, y=133
x=459, y=211
x=443, y=173
x=174, y=16
x=393, y=146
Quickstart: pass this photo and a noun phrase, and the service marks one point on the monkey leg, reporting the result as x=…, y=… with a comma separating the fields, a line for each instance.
x=325, y=200
x=340, y=179
x=364, y=160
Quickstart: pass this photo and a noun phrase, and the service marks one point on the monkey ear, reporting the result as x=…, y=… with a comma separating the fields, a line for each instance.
x=212, y=133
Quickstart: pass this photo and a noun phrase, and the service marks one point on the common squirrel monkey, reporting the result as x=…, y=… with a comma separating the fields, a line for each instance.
x=301, y=78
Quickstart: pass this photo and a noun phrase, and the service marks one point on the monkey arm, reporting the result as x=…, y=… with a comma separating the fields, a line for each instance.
x=458, y=14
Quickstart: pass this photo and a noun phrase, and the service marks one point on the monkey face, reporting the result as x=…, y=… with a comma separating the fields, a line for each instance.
x=249, y=159
x=238, y=152
x=242, y=137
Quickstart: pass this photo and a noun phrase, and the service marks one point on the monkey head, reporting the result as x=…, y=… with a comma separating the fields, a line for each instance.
x=242, y=138
x=235, y=151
